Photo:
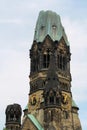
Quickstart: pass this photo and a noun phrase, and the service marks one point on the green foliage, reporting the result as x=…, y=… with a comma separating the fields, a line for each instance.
x=5, y=129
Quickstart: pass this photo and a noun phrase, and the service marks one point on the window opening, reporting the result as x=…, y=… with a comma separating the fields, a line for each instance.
x=46, y=60
x=51, y=97
x=62, y=62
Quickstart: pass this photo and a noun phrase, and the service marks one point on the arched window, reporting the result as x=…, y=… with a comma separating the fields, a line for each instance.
x=58, y=100
x=46, y=60
x=66, y=115
x=51, y=98
x=62, y=62
x=11, y=114
x=45, y=100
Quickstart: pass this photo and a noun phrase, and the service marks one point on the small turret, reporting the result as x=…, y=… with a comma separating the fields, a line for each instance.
x=13, y=117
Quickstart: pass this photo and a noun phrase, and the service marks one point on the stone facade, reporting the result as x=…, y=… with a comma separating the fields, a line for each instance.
x=28, y=125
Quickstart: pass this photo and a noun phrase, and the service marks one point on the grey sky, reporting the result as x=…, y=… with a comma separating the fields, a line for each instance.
x=17, y=24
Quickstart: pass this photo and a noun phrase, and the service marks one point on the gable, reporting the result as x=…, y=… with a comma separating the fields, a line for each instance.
x=28, y=125
x=62, y=48
x=47, y=43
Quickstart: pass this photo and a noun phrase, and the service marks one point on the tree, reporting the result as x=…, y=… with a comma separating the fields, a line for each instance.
x=5, y=129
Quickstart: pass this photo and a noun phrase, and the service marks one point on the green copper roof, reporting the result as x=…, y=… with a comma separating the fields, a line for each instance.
x=26, y=108
x=35, y=122
x=74, y=104
x=49, y=23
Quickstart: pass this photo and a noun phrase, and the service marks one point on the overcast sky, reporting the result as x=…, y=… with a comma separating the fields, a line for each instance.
x=17, y=24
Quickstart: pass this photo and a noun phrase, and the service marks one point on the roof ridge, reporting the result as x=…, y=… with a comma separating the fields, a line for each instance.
x=35, y=122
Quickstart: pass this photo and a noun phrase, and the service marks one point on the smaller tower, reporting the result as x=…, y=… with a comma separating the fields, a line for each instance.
x=13, y=117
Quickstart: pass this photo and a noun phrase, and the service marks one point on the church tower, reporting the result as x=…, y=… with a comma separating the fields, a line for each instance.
x=50, y=105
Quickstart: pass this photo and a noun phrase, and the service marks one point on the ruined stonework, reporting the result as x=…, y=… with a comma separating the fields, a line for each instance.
x=50, y=98
x=50, y=105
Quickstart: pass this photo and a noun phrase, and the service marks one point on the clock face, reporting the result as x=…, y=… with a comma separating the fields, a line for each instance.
x=33, y=101
x=65, y=101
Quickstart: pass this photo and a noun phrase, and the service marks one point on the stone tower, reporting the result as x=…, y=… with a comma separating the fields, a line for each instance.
x=13, y=117
x=50, y=105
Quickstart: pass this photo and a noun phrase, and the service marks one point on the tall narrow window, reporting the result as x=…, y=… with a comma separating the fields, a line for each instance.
x=66, y=115
x=62, y=62
x=59, y=61
x=51, y=97
x=51, y=115
x=60, y=65
x=46, y=60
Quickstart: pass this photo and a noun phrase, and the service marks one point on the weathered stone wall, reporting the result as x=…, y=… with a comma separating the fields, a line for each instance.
x=28, y=125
